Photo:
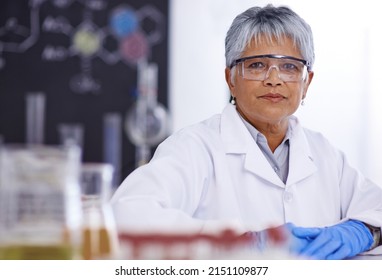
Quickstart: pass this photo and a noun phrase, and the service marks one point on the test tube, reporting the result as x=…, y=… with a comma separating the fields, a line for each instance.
x=112, y=147
x=35, y=117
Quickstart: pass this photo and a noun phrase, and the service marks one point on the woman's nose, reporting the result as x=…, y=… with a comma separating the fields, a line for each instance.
x=273, y=76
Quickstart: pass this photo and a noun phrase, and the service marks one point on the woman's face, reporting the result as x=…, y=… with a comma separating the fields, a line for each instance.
x=271, y=101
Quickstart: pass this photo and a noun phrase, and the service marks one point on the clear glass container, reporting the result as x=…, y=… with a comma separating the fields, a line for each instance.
x=99, y=234
x=40, y=202
x=147, y=121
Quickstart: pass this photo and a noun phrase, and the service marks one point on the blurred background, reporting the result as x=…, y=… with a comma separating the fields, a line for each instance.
x=79, y=62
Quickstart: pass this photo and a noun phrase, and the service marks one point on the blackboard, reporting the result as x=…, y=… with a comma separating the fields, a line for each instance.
x=82, y=56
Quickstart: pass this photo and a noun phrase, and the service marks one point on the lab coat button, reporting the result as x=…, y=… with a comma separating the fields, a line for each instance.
x=288, y=197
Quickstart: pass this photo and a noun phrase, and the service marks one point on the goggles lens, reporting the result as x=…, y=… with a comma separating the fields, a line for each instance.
x=258, y=68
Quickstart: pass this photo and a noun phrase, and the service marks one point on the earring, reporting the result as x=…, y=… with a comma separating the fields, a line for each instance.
x=303, y=102
x=233, y=100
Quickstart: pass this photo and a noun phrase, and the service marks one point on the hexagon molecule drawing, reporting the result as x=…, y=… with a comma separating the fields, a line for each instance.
x=131, y=42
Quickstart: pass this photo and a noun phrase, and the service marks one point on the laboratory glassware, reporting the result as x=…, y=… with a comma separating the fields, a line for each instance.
x=35, y=117
x=99, y=234
x=40, y=202
x=71, y=134
x=147, y=121
x=112, y=144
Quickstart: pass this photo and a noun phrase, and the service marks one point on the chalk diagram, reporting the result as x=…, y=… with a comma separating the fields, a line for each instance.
x=131, y=41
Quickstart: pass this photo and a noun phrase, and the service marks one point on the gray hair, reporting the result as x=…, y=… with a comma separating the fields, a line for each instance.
x=274, y=23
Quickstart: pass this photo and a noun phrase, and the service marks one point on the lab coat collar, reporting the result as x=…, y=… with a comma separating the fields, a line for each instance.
x=301, y=159
x=235, y=136
x=238, y=140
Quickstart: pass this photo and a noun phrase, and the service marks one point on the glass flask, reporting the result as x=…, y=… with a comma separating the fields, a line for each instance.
x=99, y=234
x=147, y=121
x=40, y=202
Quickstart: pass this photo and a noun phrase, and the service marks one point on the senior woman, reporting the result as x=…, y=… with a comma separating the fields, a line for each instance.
x=254, y=166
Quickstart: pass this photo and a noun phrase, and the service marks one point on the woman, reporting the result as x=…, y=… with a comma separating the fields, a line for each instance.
x=254, y=166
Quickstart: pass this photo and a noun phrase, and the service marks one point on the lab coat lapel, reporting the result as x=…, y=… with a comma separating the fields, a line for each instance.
x=256, y=163
x=301, y=161
x=238, y=140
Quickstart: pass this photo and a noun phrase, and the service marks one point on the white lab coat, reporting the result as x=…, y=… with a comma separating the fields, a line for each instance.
x=213, y=174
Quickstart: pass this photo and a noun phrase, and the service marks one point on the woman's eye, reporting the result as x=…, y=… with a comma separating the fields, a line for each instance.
x=289, y=66
x=256, y=65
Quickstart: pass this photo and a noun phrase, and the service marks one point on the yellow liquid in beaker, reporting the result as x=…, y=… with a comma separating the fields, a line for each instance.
x=36, y=252
x=96, y=244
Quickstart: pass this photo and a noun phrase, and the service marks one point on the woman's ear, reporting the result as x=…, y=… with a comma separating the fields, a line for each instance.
x=307, y=83
x=229, y=78
x=310, y=77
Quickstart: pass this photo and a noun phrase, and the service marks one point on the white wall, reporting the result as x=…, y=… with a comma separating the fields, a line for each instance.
x=344, y=97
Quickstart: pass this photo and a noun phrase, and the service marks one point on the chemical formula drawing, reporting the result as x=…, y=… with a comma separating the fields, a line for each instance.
x=123, y=38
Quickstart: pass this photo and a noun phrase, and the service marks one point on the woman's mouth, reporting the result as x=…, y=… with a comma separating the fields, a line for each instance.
x=273, y=97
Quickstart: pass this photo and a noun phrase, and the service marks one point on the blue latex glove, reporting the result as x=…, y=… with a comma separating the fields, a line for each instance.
x=335, y=242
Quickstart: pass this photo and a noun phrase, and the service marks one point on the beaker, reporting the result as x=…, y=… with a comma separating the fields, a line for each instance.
x=99, y=234
x=40, y=202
